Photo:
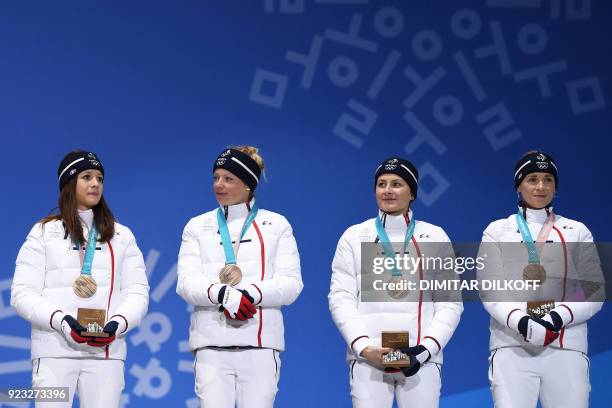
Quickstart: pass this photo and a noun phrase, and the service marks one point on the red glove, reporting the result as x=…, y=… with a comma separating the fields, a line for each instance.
x=70, y=326
x=111, y=329
x=537, y=331
x=236, y=304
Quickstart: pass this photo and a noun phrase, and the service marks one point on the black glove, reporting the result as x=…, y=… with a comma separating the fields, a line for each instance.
x=73, y=330
x=419, y=355
x=110, y=328
x=554, y=318
x=413, y=368
x=537, y=331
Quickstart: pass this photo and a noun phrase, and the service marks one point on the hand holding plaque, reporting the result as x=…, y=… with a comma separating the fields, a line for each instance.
x=71, y=329
x=109, y=330
x=374, y=354
x=418, y=355
x=91, y=322
x=395, y=341
x=96, y=333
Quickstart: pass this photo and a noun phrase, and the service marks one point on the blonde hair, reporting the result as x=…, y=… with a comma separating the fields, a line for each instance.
x=252, y=152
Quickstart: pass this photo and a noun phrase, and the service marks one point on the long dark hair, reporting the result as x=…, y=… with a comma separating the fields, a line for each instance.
x=67, y=205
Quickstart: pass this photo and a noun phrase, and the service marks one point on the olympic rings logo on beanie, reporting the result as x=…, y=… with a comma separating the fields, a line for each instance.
x=535, y=162
x=76, y=162
x=403, y=168
x=241, y=165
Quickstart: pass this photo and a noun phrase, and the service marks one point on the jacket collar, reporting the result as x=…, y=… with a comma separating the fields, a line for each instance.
x=537, y=216
x=394, y=222
x=237, y=211
x=86, y=217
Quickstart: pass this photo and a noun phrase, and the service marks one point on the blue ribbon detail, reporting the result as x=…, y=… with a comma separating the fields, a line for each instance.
x=90, y=251
x=226, y=240
x=384, y=240
x=527, y=238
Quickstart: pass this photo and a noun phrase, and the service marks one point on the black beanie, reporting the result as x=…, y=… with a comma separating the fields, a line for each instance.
x=533, y=163
x=74, y=163
x=241, y=165
x=402, y=168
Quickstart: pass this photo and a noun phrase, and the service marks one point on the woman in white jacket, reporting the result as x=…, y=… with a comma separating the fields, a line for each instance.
x=429, y=323
x=237, y=266
x=80, y=259
x=538, y=348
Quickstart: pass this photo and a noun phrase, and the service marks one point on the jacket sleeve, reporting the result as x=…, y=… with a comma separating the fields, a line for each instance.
x=286, y=284
x=447, y=311
x=505, y=313
x=29, y=281
x=590, y=277
x=192, y=284
x=344, y=297
x=134, y=287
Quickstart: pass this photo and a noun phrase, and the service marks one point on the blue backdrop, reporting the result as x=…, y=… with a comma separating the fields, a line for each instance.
x=326, y=89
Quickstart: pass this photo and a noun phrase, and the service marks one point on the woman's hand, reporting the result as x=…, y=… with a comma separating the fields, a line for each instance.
x=374, y=354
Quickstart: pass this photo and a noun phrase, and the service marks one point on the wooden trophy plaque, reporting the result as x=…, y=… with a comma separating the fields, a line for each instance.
x=93, y=320
x=540, y=308
x=395, y=340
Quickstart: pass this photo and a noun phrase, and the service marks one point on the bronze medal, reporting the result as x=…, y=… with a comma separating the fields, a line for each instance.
x=534, y=271
x=400, y=292
x=84, y=286
x=230, y=274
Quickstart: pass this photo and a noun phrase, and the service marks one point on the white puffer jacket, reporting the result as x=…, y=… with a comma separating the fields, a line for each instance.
x=270, y=264
x=47, y=266
x=428, y=322
x=508, y=261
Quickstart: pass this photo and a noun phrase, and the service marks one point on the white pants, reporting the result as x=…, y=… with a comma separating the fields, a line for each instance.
x=519, y=375
x=371, y=387
x=248, y=378
x=99, y=382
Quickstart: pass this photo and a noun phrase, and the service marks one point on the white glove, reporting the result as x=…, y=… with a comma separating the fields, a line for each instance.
x=537, y=331
x=236, y=304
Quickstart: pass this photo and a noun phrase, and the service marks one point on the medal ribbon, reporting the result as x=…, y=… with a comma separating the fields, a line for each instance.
x=90, y=251
x=534, y=248
x=226, y=240
x=384, y=240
